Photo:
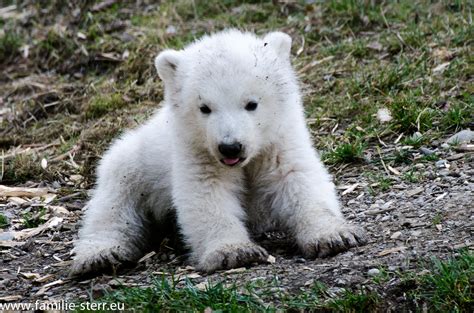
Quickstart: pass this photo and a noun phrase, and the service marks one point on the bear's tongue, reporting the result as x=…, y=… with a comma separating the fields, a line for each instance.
x=231, y=161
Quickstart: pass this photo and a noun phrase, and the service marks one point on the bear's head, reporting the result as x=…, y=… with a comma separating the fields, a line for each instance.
x=230, y=93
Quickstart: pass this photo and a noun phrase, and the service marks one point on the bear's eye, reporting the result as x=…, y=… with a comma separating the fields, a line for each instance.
x=205, y=109
x=251, y=106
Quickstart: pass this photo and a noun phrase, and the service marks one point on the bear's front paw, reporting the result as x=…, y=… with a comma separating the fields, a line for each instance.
x=231, y=256
x=106, y=260
x=331, y=240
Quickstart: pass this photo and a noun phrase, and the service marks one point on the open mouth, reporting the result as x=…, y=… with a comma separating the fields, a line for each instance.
x=232, y=162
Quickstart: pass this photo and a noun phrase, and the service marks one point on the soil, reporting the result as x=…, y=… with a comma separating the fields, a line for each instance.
x=407, y=225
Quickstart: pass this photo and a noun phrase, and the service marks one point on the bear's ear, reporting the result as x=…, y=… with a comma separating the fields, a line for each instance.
x=166, y=64
x=279, y=41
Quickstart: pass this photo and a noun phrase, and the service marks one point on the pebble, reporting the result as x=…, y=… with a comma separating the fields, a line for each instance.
x=456, y=156
x=426, y=151
x=463, y=136
x=441, y=163
x=373, y=272
x=396, y=235
x=7, y=236
x=416, y=136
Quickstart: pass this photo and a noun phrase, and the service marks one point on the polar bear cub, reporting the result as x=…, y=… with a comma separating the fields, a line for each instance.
x=229, y=152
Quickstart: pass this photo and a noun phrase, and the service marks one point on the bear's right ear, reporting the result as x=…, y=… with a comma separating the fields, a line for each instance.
x=166, y=64
x=279, y=41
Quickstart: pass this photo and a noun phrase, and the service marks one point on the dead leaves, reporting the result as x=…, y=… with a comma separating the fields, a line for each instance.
x=6, y=191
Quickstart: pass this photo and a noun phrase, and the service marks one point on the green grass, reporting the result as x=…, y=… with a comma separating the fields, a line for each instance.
x=345, y=153
x=3, y=221
x=449, y=285
x=346, y=90
x=102, y=104
x=22, y=168
x=378, y=182
x=258, y=296
x=10, y=43
x=34, y=218
x=412, y=176
x=445, y=286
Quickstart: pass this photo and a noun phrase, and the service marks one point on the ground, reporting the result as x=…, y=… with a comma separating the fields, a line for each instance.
x=385, y=86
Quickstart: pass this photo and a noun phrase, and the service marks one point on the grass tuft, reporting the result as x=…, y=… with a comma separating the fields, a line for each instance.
x=10, y=43
x=449, y=286
x=355, y=302
x=34, y=218
x=345, y=153
x=4, y=221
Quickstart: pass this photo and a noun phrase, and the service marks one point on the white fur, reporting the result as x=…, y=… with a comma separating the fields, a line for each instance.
x=173, y=163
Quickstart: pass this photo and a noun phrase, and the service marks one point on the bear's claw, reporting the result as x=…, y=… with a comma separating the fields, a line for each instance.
x=340, y=239
x=231, y=256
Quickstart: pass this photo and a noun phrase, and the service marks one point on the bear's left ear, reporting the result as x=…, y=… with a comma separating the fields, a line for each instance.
x=279, y=41
x=166, y=64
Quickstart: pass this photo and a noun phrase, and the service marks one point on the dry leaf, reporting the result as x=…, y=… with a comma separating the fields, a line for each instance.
x=147, y=256
x=11, y=244
x=30, y=232
x=236, y=270
x=415, y=191
x=393, y=170
x=202, y=286
x=10, y=298
x=22, y=191
x=17, y=200
x=193, y=275
x=30, y=275
x=271, y=259
x=44, y=278
x=391, y=250
x=81, y=36
x=350, y=189
x=375, y=45
x=440, y=68
x=49, y=285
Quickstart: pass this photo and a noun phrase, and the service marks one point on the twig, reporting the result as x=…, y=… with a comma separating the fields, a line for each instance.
x=381, y=160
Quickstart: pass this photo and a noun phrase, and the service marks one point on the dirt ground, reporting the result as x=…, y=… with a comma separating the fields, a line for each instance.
x=406, y=225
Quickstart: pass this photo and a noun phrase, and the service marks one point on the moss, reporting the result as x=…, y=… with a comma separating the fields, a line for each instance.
x=22, y=168
x=102, y=104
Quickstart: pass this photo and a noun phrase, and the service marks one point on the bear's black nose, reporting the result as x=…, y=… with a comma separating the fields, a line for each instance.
x=230, y=151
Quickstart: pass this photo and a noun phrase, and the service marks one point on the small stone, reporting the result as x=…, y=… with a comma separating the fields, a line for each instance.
x=340, y=282
x=441, y=164
x=76, y=178
x=456, y=156
x=7, y=236
x=463, y=136
x=426, y=151
x=373, y=272
x=444, y=172
x=300, y=260
x=170, y=30
x=385, y=218
x=445, y=146
x=271, y=259
x=416, y=136
x=396, y=235
x=309, y=282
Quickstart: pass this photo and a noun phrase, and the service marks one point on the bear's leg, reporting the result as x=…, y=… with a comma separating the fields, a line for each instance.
x=306, y=201
x=112, y=234
x=211, y=218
